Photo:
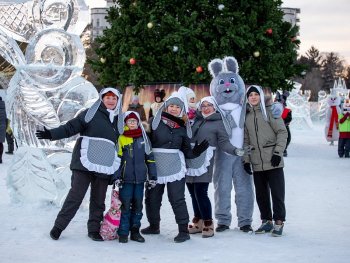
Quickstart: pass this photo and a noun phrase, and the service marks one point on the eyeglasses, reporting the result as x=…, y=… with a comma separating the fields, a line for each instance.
x=207, y=106
x=131, y=121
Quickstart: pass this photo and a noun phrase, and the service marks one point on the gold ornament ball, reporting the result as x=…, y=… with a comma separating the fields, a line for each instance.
x=256, y=54
x=150, y=25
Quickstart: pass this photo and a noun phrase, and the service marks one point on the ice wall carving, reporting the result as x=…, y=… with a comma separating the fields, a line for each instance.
x=46, y=90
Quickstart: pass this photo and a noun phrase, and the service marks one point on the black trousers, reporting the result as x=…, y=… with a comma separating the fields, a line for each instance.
x=289, y=138
x=80, y=184
x=176, y=196
x=344, y=147
x=10, y=142
x=266, y=183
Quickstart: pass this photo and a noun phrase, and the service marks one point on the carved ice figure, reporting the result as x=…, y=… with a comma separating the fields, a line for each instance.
x=298, y=102
x=46, y=90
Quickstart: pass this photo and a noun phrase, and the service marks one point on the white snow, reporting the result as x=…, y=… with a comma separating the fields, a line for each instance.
x=318, y=218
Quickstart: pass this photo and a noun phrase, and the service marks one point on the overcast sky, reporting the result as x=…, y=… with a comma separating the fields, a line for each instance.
x=324, y=24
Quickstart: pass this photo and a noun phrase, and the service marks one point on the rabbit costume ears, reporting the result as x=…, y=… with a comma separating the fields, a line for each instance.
x=228, y=64
x=117, y=111
x=258, y=89
x=212, y=100
x=176, y=98
x=144, y=135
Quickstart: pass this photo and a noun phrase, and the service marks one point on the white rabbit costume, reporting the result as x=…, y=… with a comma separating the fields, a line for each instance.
x=228, y=88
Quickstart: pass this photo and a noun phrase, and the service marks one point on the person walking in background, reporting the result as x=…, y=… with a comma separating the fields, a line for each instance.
x=267, y=138
x=170, y=138
x=344, y=130
x=286, y=116
x=210, y=125
x=137, y=161
x=9, y=138
x=136, y=106
x=94, y=159
x=159, y=96
x=3, y=125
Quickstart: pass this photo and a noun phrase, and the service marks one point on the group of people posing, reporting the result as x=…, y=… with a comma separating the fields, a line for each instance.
x=180, y=148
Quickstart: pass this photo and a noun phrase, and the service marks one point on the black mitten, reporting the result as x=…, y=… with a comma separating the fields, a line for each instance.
x=199, y=148
x=247, y=168
x=45, y=134
x=275, y=160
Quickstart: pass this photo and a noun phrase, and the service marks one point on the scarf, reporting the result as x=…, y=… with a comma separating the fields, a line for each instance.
x=112, y=114
x=172, y=121
x=133, y=133
x=334, y=119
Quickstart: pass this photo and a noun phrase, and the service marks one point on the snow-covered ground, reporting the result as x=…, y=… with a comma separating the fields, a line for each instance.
x=318, y=221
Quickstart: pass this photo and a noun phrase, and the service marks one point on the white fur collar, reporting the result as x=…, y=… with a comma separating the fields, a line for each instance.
x=229, y=106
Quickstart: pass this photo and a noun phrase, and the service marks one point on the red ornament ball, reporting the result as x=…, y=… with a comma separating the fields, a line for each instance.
x=269, y=31
x=132, y=61
x=199, y=69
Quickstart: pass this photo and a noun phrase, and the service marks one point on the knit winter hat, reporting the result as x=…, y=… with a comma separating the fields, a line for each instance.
x=159, y=93
x=252, y=89
x=132, y=115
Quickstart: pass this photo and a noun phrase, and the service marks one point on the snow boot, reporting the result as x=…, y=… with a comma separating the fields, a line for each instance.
x=183, y=234
x=95, y=236
x=123, y=239
x=246, y=228
x=152, y=229
x=196, y=227
x=266, y=227
x=208, y=229
x=136, y=236
x=221, y=228
x=277, y=230
x=55, y=233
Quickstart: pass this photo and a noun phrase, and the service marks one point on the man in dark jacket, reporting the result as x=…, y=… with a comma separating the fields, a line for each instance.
x=94, y=160
x=3, y=124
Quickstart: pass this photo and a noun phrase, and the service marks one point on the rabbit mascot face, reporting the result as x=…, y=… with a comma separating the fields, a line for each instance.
x=229, y=90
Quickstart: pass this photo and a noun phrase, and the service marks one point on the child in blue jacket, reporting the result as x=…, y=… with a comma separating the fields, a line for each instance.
x=137, y=162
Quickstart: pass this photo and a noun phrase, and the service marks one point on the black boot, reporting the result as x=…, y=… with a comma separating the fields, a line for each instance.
x=246, y=228
x=221, y=228
x=55, y=233
x=123, y=239
x=152, y=229
x=136, y=236
x=95, y=236
x=183, y=234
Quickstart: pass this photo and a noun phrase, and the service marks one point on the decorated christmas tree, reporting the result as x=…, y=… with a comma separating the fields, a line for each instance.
x=173, y=41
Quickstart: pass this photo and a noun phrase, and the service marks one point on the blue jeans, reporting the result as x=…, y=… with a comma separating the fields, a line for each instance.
x=131, y=196
x=200, y=200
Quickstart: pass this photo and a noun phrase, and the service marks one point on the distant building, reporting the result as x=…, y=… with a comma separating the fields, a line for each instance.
x=98, y=19
x=291, y=15
x=99, y=23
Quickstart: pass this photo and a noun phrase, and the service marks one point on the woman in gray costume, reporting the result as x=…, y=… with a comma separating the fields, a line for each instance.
x=170, y=138
x=94, y=159
x=211, y=125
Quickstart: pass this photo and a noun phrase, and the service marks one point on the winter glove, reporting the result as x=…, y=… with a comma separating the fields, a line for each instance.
x=347, y=114
x=239, y=152
x=199, y=148
x=275, y=160
x=45, y=134
x=151, y=184
x=247, y=168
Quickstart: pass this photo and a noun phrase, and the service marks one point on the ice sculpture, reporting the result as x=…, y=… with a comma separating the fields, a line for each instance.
x=298, y=103
x=322, y=105
x=46, y=90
